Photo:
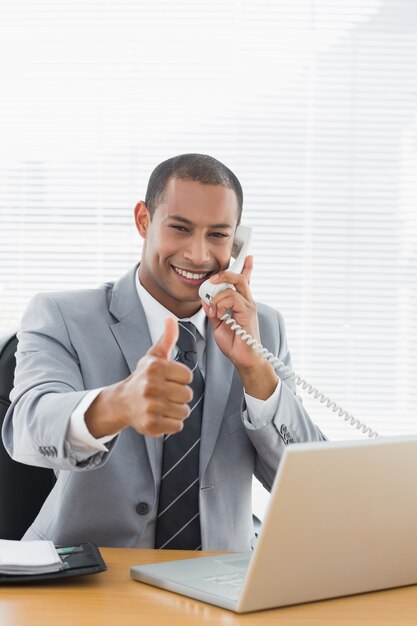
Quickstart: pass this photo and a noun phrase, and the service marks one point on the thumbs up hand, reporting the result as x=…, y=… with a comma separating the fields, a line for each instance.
x=153, y=399
x=165, y=344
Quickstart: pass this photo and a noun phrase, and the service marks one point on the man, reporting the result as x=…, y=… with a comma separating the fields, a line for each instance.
x=148, y=453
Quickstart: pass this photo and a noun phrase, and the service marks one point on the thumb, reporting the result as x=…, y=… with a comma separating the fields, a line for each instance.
x=163, y=347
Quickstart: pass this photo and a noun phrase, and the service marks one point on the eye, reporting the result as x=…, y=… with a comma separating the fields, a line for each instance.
x=181, y=229
x=219, y=235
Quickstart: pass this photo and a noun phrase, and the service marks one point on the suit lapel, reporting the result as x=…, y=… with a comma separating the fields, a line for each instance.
x=219, y=374
x=132, y=334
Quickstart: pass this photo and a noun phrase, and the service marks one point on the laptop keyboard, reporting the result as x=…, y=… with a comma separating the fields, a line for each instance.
x=233, y=580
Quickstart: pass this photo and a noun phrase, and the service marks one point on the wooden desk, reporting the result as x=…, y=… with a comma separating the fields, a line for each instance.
x=113, y=599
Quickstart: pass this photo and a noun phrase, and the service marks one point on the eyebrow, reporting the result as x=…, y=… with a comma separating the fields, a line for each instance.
x=179, y=218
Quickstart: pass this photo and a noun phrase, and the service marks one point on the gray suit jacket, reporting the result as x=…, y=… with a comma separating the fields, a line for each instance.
x=71, y=342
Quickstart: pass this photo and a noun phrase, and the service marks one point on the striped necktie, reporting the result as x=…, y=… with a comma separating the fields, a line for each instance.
x=178, y=520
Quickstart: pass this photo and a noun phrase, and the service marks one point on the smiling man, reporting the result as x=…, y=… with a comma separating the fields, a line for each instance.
x=155, y=414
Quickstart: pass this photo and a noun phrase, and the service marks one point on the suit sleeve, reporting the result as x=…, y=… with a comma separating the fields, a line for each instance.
x=290, y=423
x=48, y=386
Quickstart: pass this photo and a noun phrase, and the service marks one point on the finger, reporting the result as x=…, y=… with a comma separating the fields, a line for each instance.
x=165, y=344
x=229, y=299
x=227, y=304
x=175, y=372
x=170, y=426
x=180, y=394
x=211, y=314
x=248, y=267
x=239, y=282
x=164, y=426
x=160, y=409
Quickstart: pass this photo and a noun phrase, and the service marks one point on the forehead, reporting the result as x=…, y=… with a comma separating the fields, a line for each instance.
x=199, y=203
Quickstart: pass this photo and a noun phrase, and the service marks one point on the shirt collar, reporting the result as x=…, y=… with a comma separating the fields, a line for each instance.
x=156, y=314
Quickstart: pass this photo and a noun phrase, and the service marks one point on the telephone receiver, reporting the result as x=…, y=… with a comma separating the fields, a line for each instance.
x=208, y=290
x=240, y=250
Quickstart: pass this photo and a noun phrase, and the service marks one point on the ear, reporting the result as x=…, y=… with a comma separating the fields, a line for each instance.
x=142, y=218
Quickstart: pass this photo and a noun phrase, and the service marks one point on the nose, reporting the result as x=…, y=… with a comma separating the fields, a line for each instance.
x=197, y=251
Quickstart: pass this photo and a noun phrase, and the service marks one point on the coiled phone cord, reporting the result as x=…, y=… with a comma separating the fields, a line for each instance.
x=278, y=365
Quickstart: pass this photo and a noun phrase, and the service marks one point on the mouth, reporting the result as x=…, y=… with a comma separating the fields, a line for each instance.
x=191, y=278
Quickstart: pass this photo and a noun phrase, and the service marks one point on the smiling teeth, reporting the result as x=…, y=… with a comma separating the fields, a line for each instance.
x=189, y=274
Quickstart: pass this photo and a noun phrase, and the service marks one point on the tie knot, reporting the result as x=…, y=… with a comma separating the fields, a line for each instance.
x=187, y=340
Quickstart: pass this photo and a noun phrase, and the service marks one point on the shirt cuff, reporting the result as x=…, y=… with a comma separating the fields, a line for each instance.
x=78, y=436
x=258, y=412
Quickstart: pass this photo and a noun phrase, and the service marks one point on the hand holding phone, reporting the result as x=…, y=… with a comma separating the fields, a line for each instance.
x=240, y=250
x=209, y=290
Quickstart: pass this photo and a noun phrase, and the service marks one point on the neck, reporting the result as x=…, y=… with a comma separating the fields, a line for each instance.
x=179, y=308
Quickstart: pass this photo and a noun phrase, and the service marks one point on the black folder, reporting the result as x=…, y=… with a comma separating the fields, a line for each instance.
x=78, y=560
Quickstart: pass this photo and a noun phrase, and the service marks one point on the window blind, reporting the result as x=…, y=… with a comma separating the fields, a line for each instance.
x=312, y=103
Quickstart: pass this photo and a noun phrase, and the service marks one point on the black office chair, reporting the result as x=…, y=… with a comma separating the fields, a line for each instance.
x=23, y=489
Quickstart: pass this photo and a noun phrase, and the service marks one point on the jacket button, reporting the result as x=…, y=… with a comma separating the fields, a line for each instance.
x=142, y=508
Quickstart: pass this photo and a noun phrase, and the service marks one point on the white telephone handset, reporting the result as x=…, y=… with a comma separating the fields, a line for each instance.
x=240, y=250
x=209, y=290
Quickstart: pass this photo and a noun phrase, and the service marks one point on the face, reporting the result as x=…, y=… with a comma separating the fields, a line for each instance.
x=189, y=238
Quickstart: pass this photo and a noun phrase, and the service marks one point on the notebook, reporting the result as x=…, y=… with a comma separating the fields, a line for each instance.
x=76, y=560
x=341, y=520
x=28, y=557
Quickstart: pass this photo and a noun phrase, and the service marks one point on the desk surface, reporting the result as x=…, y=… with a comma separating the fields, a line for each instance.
x=112, y=598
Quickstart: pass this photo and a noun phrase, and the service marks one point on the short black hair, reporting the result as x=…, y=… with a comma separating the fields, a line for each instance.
x=196, y=167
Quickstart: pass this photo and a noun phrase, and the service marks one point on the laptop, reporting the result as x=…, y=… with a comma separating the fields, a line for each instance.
x=341, y=520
